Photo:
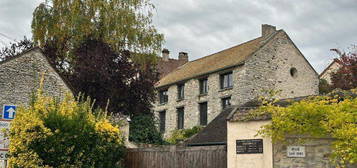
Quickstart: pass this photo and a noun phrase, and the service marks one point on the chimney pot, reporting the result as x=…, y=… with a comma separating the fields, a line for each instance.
x=165, y=54
x=183, y=56
x=268, y=30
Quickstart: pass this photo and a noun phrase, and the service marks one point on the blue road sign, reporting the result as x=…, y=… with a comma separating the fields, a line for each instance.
x=9, y=112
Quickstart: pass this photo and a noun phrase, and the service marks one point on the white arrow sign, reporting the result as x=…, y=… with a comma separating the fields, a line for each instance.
x=11, y=112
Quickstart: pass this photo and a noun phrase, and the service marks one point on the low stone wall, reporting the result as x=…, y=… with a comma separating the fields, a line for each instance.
x=317, y=153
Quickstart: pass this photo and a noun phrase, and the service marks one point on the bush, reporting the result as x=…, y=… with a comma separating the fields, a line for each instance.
x=143, y=130
x=333, y=115
x=324, y=87
x=181, y=135
x=63, y=133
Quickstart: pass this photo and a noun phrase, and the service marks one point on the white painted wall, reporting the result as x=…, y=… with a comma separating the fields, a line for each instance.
x=248, y=130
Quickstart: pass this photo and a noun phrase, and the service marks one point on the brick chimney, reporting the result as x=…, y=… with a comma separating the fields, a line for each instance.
x=268, y=30
x=183, y=56
x=165, y=54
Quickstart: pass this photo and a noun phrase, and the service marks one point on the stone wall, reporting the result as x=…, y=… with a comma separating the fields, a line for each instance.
x=267, y=69
x=20, y=77
x=317, y=152
x=193, y=98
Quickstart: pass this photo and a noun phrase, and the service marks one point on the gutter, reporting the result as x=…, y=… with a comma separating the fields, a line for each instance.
x=207, y=144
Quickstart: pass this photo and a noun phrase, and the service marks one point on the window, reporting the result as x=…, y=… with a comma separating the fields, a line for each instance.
x=293, y=72
x=226, y=102
x=162, y=121
x=203, y=86
x=163, y=97
x=226, y=80
x=203, y=113
x=180, y=91
x=180, y=117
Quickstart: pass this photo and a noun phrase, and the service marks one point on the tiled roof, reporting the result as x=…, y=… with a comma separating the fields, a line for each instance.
x=223, y=59
x=215, y=132
x=242, y=112
x=165, y=67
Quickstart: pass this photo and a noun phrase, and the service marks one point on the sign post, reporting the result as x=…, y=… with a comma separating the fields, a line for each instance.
x=8, y=114
x=4, y=140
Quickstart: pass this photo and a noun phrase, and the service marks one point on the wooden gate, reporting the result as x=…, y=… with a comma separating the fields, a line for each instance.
x=177, y=157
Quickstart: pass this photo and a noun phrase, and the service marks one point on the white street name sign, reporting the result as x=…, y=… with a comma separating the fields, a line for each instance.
x=296, y=151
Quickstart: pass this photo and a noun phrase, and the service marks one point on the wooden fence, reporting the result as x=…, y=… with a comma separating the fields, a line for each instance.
x=177, y=157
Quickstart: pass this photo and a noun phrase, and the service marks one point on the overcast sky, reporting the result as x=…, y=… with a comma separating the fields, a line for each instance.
x=203, y=27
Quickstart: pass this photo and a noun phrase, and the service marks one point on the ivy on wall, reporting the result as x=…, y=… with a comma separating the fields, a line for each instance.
x=333, y=115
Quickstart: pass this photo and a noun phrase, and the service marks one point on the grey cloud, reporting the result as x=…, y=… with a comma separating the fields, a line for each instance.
x=16, y=16
x=203, y=27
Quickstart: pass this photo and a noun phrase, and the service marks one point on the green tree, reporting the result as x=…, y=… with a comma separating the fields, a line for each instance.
x=324, y=87
x=15, y=48
x=124, y=25
x=346, y=76
x=143, y=130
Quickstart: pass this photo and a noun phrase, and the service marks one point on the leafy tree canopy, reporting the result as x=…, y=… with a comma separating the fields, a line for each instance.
x=346, y=76
x=124, y=25
x=112, y=79
x=16, y=48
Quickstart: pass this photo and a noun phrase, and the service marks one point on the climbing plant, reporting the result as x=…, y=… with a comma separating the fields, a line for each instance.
x=334, y=115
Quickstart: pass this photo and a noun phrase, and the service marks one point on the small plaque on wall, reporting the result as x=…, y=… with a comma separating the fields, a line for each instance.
x=296, y=151
x=249, y=146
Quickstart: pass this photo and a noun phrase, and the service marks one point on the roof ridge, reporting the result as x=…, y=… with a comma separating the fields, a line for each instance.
x=224, y=59
x=225, y=49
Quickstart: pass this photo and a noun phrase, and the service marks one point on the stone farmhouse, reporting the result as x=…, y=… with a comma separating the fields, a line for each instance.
x=20, y=77
x=196, y=92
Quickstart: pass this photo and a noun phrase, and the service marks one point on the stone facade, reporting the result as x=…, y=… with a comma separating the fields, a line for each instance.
x=277, y=65
x=20, y=77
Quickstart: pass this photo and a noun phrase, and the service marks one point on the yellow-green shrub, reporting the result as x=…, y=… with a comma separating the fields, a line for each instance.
x=63, y=133
x=333, y=116
x=181, y=135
